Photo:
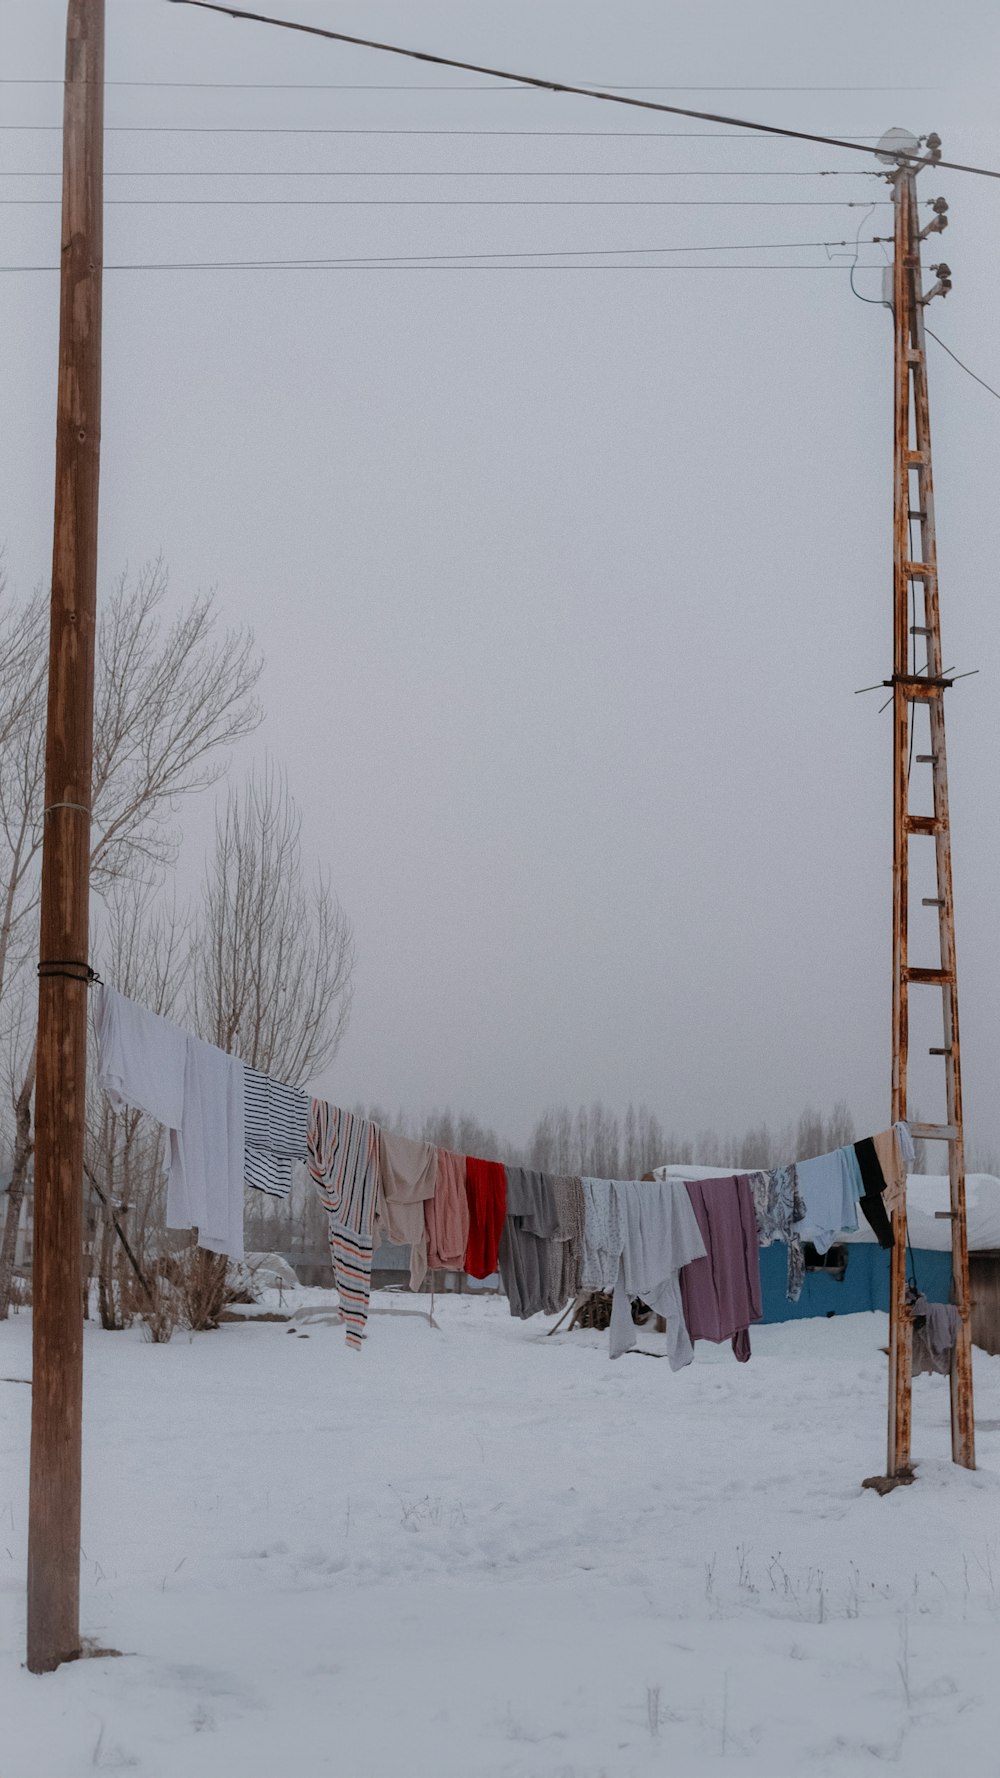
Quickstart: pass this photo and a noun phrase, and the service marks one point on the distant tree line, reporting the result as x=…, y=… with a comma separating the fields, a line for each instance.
x=593, y=1140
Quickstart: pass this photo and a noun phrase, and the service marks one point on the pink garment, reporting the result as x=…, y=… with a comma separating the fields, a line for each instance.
x=408, y=1177
x=446, y=1216
x=721, y=1293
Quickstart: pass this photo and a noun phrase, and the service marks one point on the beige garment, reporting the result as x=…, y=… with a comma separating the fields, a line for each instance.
x=408, y=1172
x=564, y=1253
x=890, y=1159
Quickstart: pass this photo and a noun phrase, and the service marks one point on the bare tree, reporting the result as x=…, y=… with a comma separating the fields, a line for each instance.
x=19, y=1084
x=273, y=953
x=273, y=957
x=22, y=765
x=170, y=698
x=143, y=944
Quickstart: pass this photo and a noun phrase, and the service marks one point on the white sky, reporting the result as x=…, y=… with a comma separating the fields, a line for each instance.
x=565, y=579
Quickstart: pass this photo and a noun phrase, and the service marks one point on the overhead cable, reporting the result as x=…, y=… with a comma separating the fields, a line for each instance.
x=352, y=86
x=969, y=373
x=609, y=95
x=195, y=129
x=297, y=265
x=470, y=203
x=446, y=173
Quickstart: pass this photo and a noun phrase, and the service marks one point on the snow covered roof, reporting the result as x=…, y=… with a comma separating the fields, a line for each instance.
x=926, y=1193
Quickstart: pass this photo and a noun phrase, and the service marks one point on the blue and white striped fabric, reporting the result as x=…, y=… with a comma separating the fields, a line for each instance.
x=277, y=1123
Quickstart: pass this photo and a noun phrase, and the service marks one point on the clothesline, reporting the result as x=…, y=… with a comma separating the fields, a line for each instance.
x=690, y=1249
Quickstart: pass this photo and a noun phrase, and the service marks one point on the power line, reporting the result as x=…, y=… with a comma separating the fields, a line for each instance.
x=372, y=259
x=446, y=173
x=193, y=129
x=609, y=95
x=467, y=203
x=296, y=265
x=504, y=253
x=354, y=86
x=958, y=361
x=876, y=301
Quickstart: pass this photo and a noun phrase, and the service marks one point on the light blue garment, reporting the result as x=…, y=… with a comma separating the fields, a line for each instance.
x=854, y=1169
x=906, y=1147
x=829, y=1190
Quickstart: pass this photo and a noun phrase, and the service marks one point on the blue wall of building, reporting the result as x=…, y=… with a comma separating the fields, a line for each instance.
x=865, y=1284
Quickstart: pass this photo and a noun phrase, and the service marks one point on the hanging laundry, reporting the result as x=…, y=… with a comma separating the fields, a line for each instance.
x=212, y=1147
x=779, y=1206
x=872, y=1201
x=721, y=1293
x=140, y=1057
x=565, y=1251
x=529, y=1227
x=342, y=1157
x=409, y=1175
x=659, y=1236
x=197, y=1092
x=446, y=1215
x=889, y=1149
x=603, y=1238
x=935, y=1333
x=829, y=1187
x=486, y=1188
x=907, y=1149
x=277, y=1123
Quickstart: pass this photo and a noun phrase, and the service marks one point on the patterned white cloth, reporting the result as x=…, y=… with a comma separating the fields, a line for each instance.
x=602, y=1235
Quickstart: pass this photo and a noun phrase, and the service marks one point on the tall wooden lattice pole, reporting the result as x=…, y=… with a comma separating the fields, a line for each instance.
x=918, y=687
x=57, y=1396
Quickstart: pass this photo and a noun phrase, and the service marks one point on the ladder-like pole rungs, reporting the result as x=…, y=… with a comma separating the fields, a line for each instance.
x=919, y=570
x=920, y=690
x=939, y=1052
x=934, y=1132
x=930, y=978
x=919, y=630
x=932, y=901
x=927, y=759
x=923, y=824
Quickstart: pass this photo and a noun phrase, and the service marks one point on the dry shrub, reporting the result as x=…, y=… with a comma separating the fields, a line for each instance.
x=161, y=1312
x=202, y=1286
x=20, y=1292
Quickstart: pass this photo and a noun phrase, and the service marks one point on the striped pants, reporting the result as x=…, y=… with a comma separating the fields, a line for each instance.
x=342, y=1157
x=352, y=1274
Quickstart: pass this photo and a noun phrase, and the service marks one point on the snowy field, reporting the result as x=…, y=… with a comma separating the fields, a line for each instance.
x=476, y=1552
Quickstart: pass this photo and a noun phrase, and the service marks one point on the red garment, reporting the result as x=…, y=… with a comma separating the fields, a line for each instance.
x=486, y=1190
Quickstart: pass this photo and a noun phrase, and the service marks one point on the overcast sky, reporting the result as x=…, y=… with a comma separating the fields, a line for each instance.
x=565, y=579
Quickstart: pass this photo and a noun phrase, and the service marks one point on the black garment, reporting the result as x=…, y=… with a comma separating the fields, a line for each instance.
x=873, y=1179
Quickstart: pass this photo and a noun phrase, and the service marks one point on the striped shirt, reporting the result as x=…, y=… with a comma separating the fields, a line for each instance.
x=277, y=1124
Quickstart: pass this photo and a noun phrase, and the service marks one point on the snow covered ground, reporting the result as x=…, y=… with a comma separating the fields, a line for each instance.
x=476, y=1552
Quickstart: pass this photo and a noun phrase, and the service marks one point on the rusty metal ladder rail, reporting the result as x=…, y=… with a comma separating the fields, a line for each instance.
x=916, y=685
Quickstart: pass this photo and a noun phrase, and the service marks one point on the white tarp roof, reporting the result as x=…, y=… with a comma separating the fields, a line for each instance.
x=926, y=1193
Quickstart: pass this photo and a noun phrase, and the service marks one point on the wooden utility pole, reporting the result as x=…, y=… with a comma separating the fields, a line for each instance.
x=60, y=1093
x=918, y=688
